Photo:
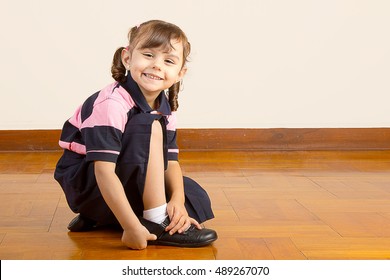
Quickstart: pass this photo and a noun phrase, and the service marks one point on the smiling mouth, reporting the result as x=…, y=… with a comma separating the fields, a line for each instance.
x=151, y=76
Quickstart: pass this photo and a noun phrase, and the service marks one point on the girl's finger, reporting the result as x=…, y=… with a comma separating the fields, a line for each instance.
x=178, y=225
x=195, y=222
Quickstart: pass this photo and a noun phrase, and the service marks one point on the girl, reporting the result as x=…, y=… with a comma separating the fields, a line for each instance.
x=120, y=153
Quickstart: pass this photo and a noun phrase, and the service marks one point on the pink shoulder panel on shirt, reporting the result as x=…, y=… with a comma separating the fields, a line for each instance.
x=172, y=122
x=110, y=108
x=75, y=120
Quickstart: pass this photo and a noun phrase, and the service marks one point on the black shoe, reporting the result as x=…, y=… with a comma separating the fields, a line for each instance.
x=80, y=223
x=192, y=237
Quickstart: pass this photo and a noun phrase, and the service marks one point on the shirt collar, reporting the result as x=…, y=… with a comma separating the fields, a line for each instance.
x=135, y=92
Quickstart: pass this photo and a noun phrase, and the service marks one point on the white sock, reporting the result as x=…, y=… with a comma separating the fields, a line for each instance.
x=156, y=215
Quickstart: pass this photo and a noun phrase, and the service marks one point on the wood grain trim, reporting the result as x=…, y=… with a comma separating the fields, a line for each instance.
x=29, y=140
x=286, y=139
x=273, y=139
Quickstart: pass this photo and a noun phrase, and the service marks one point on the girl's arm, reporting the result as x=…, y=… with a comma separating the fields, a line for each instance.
x=177, y=212
x=134, y=235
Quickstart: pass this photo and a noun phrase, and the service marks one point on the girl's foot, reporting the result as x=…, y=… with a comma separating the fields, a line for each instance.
x=192, y=237
x=80, y=223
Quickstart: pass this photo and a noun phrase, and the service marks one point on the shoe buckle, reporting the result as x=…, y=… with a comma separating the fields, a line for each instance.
x=165, y=223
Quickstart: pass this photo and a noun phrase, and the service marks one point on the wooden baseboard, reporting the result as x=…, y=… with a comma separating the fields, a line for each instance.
x=29, y=140
x=273, y=139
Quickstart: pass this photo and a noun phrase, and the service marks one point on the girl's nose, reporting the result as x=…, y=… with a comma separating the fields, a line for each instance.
x=157, y=64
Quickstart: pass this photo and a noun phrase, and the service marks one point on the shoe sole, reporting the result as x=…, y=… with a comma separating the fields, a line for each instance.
x=186, y=245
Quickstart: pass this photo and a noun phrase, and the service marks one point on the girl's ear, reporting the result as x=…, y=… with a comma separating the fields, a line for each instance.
x=182, y=72
x=126, y=58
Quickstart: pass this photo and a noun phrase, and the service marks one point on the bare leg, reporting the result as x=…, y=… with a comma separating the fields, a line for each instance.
x=154, y=190
x=155, y=218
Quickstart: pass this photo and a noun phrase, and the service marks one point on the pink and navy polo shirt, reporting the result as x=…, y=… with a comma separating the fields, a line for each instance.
x=115, y=120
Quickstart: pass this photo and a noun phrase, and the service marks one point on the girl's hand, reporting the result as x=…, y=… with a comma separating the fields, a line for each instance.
x=137, y=238
x=180, y=221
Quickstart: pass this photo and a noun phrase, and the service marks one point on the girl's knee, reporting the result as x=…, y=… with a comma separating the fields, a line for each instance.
x=157, y=131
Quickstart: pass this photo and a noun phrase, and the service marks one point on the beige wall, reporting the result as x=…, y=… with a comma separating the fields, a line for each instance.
x=255, y=63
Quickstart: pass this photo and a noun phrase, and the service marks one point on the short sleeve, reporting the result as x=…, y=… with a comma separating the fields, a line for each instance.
x=102, y=131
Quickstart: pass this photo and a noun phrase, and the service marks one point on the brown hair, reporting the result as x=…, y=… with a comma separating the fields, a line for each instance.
x=154, y=33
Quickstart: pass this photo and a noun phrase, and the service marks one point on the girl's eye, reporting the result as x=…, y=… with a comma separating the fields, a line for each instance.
x=170, y=61
x=148, y=54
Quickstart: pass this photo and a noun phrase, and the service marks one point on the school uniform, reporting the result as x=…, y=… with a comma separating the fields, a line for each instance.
x=115, y=125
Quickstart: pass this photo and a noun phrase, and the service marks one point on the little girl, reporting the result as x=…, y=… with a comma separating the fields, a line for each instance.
x=120, y=160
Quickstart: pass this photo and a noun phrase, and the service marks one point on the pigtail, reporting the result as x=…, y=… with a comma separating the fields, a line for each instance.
x=118, y=70
x=173, y=93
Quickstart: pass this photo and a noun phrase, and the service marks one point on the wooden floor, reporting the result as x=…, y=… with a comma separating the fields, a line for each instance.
x=268, y=205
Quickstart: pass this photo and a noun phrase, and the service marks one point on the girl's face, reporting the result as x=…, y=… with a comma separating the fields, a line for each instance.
x=155, y=69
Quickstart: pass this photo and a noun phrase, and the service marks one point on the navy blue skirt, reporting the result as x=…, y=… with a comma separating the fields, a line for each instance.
x=77, y=179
